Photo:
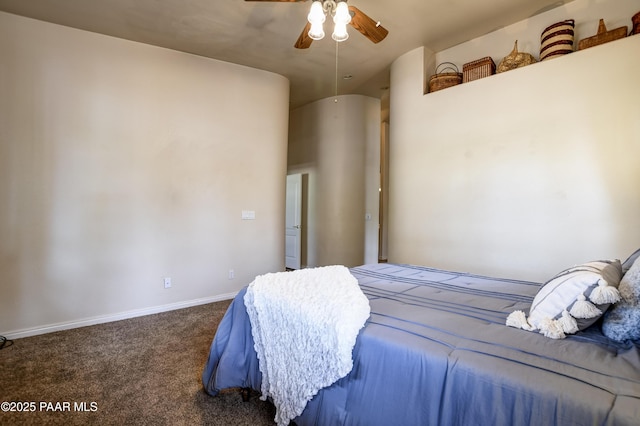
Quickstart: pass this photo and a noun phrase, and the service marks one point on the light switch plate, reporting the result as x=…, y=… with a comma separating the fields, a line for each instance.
x=248, y=214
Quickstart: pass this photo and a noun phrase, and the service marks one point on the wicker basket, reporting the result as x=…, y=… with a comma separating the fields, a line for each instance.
x=480, y=68
x=557, y=40
x=515, y=60
x=603, y=36
x=441, y=80
x=636, y=24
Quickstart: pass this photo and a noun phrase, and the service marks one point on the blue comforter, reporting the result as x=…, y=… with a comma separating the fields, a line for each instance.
x=435, y=351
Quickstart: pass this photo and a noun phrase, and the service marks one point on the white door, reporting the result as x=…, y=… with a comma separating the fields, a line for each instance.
x=293, y=220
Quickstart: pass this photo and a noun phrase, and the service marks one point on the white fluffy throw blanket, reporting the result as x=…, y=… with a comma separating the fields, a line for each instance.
x=304, y=325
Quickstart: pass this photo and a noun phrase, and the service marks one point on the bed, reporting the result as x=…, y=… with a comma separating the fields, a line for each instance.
x=435, y=350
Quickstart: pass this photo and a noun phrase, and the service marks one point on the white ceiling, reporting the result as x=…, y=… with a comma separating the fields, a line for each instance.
x=261, y=34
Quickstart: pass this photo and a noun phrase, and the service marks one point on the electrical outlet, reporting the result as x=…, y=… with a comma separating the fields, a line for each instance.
x=232, y=274
x=167, y=282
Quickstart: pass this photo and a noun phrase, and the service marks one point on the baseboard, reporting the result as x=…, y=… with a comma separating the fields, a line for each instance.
x=50, y=328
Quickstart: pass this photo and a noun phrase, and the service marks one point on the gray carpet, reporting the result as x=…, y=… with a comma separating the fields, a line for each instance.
x=141, y=371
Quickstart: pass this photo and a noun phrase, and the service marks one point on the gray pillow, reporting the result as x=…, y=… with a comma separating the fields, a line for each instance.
x=627, y=263
x=622, y=321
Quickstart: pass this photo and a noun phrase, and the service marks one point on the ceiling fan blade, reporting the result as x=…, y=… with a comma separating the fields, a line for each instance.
x=367, y=26
x=304, y=41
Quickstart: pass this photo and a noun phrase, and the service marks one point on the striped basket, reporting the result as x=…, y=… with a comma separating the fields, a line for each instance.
x=636, y=24
x=557, y=40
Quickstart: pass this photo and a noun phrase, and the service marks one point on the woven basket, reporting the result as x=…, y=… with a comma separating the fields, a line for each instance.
x=557, y=40
x=480, y=68
x=603, y=36
x=636, y=24
x=515, y=60
x=441, y=80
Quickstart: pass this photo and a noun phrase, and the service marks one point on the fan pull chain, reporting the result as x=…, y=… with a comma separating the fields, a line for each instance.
x=336, y=98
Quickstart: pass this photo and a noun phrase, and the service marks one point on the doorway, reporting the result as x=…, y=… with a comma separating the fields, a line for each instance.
x=384, y=193
x=295, y=223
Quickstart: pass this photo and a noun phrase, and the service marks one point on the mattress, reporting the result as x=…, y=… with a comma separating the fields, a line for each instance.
x=436, y=351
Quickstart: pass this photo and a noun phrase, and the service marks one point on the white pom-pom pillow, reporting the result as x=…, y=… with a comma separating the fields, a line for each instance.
x=572, y=300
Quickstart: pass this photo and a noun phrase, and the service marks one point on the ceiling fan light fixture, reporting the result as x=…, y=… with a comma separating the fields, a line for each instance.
x=316, y=32
x=340, y=32
x=316, y=13
x=342, y=15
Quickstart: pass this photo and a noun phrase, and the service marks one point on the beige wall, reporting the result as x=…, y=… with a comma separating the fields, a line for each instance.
x=337, y=144
x=122, y=163
x=520, y=174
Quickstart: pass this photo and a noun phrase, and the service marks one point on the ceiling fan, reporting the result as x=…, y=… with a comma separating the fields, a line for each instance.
x=356, y=18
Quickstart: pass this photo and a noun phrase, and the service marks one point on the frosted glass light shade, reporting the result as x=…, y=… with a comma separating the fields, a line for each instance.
x=342, y=15
x=316, y=32
x=340, y=32
x=316, y=14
